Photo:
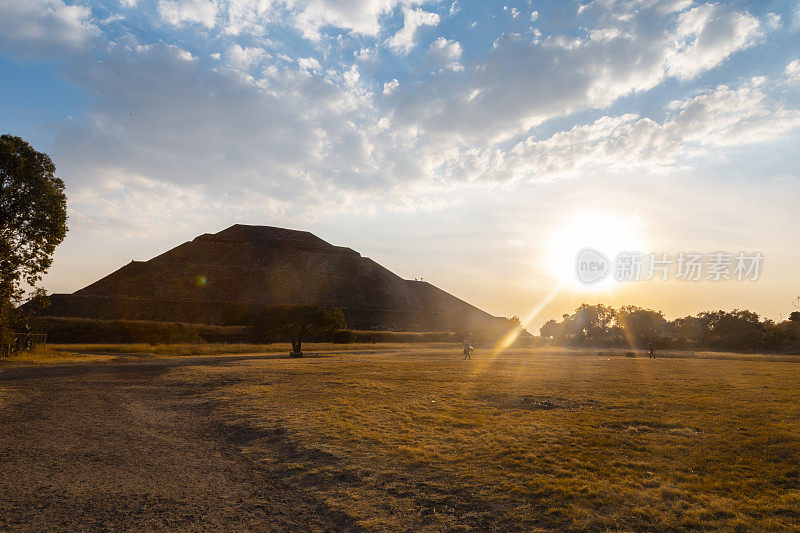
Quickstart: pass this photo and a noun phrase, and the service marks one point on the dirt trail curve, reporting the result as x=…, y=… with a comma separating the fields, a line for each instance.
x=106, y=447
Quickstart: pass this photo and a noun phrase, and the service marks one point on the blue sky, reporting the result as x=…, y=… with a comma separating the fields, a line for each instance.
x=455, y=141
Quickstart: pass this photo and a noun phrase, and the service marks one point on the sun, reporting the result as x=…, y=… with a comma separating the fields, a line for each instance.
x=607, y=233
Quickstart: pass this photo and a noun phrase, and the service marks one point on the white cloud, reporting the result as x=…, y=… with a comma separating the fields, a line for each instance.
x=444, y=53
x=706, y=35
x=454, y=8
x=793, y=70
x=113, y=18
x=731, y=117
x=309, y=63
x=177, y=12
x=45, y=28
x=186, y=55
x=773, y=21
x=390, y=86
x=366, y=55
x=310, y=17
x=244, y=58
x=281, y=140
x=248, y=16
x=358, y=16
x=522, y=83
x=534, y=16
x=711, y=120
x=413, y=19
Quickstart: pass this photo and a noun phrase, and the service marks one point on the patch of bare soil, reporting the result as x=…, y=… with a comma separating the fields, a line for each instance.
x=108, y=447
x=530, y=402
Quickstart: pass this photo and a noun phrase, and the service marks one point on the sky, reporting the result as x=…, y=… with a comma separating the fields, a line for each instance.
x=476, y=145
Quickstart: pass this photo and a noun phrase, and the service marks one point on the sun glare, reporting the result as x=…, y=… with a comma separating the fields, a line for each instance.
x=608, y=234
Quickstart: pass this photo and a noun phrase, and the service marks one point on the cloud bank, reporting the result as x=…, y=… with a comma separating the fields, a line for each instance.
x=318, y=107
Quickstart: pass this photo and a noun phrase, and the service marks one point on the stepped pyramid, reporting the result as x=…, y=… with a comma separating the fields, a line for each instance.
x=218, y=278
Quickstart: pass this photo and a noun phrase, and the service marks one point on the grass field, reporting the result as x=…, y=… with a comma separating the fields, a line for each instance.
x=52, y=355
x=526, y=440
x=61, y=353
x=58, y=353
x=413, y=437
x=309, y=348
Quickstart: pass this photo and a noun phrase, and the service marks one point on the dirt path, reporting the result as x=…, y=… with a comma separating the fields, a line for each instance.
x=108, y=447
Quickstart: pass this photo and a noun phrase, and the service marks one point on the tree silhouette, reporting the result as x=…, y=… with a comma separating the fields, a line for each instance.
x=632, y=326
x=297, y=323
x=33, y=221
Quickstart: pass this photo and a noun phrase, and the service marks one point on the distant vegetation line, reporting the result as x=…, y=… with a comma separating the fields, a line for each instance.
x=637, y=327
x=62, y=330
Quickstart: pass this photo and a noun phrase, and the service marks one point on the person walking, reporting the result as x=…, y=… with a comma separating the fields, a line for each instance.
x=651, y=351
x=467, y=350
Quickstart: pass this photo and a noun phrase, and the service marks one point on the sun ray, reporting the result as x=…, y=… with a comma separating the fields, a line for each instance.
x=482, y=363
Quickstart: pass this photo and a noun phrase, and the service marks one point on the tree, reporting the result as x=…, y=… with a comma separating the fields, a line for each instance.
x=33, y=221
x=738, y=329
x=297, y=323
x=784, y=336
x=641, y=326
x=593, y=322
x=794, y=316
x=551, y=329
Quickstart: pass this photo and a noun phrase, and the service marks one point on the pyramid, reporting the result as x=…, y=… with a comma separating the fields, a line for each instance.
x=219, y=278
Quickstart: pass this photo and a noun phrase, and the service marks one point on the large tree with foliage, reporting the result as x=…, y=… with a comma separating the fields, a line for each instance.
x=641, y=326
x=33, y=221
x=297, y=323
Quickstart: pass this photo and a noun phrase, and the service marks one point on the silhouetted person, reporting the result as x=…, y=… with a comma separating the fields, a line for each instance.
x=467, y=350
x=651, y=351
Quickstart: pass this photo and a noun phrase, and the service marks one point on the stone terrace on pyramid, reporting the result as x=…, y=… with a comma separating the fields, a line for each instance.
x=217, y=278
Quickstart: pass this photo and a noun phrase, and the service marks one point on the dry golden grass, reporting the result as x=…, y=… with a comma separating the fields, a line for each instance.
x=667, y=354
x=66, y=353
x=309, y=349
x=526, y=440
x=48, y=354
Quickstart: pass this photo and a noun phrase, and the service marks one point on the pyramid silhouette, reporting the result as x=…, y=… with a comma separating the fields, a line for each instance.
x=218, y=278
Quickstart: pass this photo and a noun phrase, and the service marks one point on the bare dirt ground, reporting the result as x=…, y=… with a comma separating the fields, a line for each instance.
x=107, y=446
